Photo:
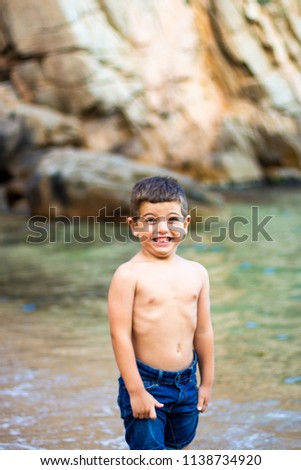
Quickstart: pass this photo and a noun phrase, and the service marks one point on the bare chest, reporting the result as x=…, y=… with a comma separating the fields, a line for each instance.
x=166, y=288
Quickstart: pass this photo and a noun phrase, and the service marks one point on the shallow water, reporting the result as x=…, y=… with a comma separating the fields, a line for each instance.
x=58, y=376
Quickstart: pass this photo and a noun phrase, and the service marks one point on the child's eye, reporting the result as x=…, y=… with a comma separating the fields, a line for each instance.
x=151, y=220
x=173, y=220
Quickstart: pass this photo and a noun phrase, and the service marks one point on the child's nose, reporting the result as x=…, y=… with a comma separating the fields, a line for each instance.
x=162, y=226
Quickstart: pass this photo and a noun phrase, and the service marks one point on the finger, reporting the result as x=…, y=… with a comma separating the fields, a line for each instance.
x=158, y=404
x=152, y=413
x=203, y=406
x=200, y=405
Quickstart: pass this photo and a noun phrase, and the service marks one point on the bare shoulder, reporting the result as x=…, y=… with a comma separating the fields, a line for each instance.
x=196, y=272
x=123, y=284
x=125, y=272
x=203, y=271
x=195, y=267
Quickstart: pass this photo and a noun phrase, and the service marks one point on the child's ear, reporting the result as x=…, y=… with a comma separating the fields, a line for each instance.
x=132, y=223
x=187, y=222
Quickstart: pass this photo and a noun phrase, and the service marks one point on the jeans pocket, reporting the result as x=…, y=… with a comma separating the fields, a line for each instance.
x=148, y=384
x=124, y=402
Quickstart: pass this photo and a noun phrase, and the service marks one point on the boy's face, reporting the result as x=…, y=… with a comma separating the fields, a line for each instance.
x=160, y=227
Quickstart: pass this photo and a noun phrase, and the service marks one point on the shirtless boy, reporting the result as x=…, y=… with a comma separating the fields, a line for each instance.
x=159, y=313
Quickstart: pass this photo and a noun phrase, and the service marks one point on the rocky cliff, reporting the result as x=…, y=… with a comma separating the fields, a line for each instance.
x=209, y=89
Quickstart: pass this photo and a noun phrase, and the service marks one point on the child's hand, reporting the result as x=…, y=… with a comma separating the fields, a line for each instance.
x=144, y=405
x=203, y=398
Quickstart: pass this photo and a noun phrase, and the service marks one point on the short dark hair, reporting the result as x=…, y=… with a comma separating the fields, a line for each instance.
x=157, y=189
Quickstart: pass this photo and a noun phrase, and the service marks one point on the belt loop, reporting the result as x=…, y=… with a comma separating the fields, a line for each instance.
x=160, y=375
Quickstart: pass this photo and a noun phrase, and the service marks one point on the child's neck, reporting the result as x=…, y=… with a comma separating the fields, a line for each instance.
x=164, y=259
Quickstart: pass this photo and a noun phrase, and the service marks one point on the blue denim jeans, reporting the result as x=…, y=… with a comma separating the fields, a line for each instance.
x=176, y=423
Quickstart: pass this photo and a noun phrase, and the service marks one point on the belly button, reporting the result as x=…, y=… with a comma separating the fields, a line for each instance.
x=178, y=347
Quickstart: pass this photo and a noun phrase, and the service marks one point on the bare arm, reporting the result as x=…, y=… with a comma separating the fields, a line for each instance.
x=203, y=344
x=120, y=302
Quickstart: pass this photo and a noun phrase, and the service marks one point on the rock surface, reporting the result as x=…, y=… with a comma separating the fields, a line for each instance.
x=84, y=183
x=210, y=89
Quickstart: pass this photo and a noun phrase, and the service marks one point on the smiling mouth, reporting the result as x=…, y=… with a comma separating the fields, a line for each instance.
x=162, y=239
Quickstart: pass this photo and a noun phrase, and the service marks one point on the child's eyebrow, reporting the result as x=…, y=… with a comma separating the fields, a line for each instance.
x=155, y=215
x=148, y=213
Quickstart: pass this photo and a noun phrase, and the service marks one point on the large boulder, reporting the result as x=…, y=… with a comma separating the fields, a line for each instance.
x=252, y=143
x=43, y=126
x=84, y=183
x=12, y=139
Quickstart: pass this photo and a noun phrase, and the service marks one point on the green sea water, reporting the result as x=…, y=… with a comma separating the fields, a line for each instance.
x=58, y=376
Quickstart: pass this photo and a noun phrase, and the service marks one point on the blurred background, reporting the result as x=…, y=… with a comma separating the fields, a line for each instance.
x=94, y=95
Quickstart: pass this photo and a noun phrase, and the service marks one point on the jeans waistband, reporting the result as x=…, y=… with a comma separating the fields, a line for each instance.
x=164, y=376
